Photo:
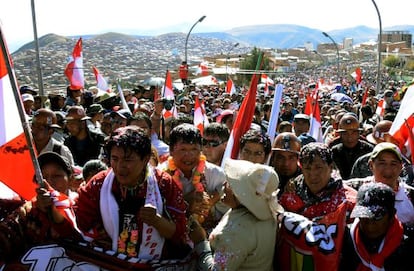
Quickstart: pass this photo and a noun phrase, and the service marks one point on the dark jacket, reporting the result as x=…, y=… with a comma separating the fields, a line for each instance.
x=399, y=260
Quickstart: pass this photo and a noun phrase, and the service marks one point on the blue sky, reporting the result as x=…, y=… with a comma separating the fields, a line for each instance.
x=80, y=17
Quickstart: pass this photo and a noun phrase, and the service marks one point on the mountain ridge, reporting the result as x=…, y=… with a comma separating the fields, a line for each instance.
x=281, y=36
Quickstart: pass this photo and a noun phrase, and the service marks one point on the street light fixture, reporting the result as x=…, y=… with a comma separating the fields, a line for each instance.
x=188, y=35
x=378, y=85
x=227, y=57
x=337, y=49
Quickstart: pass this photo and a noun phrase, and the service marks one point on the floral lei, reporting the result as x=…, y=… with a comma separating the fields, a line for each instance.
x=196, y=179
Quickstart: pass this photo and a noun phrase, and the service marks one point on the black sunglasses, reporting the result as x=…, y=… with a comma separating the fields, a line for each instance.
x=211, y=143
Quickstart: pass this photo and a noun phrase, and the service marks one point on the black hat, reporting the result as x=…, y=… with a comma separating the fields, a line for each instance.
x=28, y=89
x=53, y=157
x=305, y=139
x=374, y=200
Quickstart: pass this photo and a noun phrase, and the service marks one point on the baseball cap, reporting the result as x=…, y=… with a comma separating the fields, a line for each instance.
x=53, y=157
x=123, y=113
x=27, y=97
x=301, y=116
x=374, y=201
x=386, y=146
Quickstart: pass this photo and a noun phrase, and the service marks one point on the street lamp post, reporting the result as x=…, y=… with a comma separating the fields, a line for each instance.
x=318, y=54
x=227, y=57
x=378, y=85
x=337, y=50
x=36, y=42
x=188, y=35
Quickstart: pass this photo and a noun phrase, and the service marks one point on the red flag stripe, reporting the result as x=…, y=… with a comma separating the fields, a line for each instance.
x=74, y=69
x=245, y=116
x=17, y=170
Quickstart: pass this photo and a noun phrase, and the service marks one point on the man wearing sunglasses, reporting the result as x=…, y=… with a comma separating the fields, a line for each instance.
x=214, y=142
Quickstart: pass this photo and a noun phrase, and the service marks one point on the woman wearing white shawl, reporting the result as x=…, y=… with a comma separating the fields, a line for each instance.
x=132, y=207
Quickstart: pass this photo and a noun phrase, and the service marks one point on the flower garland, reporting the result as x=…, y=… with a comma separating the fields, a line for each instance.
x=196, y=178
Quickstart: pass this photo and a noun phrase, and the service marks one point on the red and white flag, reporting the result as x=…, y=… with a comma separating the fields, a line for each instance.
x=168, y=87
x=265, y=79
x=380, y=111
x=74, y=69
x=312, y=109
x=230, y=88
x=214, y=80
x=266, y=89
x=168, y=93
x=202, y=69
x=365, y=96
x=357, y=75
x=200, y=117
x=100, y=80
x=243, y=121
x=404, y=122
x=17, y=167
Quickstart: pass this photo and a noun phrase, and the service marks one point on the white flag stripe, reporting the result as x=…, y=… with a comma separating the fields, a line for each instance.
x=405, y=111
x=10, y=127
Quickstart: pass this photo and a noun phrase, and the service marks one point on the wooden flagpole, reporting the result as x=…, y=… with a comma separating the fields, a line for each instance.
x=23, y=119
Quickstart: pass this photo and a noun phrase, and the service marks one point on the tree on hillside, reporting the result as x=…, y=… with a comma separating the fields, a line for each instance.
x=392, y=61
x=249, y=64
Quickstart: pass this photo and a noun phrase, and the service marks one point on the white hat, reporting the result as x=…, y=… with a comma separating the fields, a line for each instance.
x=255, y=186
x=27, y=97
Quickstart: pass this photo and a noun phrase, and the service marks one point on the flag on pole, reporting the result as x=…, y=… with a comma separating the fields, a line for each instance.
x=202, y=69
x=168, y=93
x=365, y=97
x=312, y=109
x=357, y=75
x=100, y=80
x=410, y=136
x=265, y=79
x=74, y=69
x=230, y=88
x=266, y=89
x=243, y=121
x=123, y=101
x=315, y=129
x=380, y=111
x=274, y=113
x=404, y=120
x=168, y=87
x=17, y=166
x=200, y=117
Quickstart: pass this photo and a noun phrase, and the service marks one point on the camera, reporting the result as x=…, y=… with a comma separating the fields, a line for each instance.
x=168, y=103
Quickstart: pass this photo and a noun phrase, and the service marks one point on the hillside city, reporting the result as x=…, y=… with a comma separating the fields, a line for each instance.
x=130, y=59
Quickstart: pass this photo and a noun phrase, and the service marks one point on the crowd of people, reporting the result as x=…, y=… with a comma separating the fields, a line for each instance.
x=153, y=186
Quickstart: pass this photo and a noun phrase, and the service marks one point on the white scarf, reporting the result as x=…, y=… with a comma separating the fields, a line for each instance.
x=152, y=242
x=364, y=262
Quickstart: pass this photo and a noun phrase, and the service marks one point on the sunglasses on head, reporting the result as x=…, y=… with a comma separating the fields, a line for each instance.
x=211, y=143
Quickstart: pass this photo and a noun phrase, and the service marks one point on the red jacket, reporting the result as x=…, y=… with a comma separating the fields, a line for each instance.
x=89, y=216
x=183, y=71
